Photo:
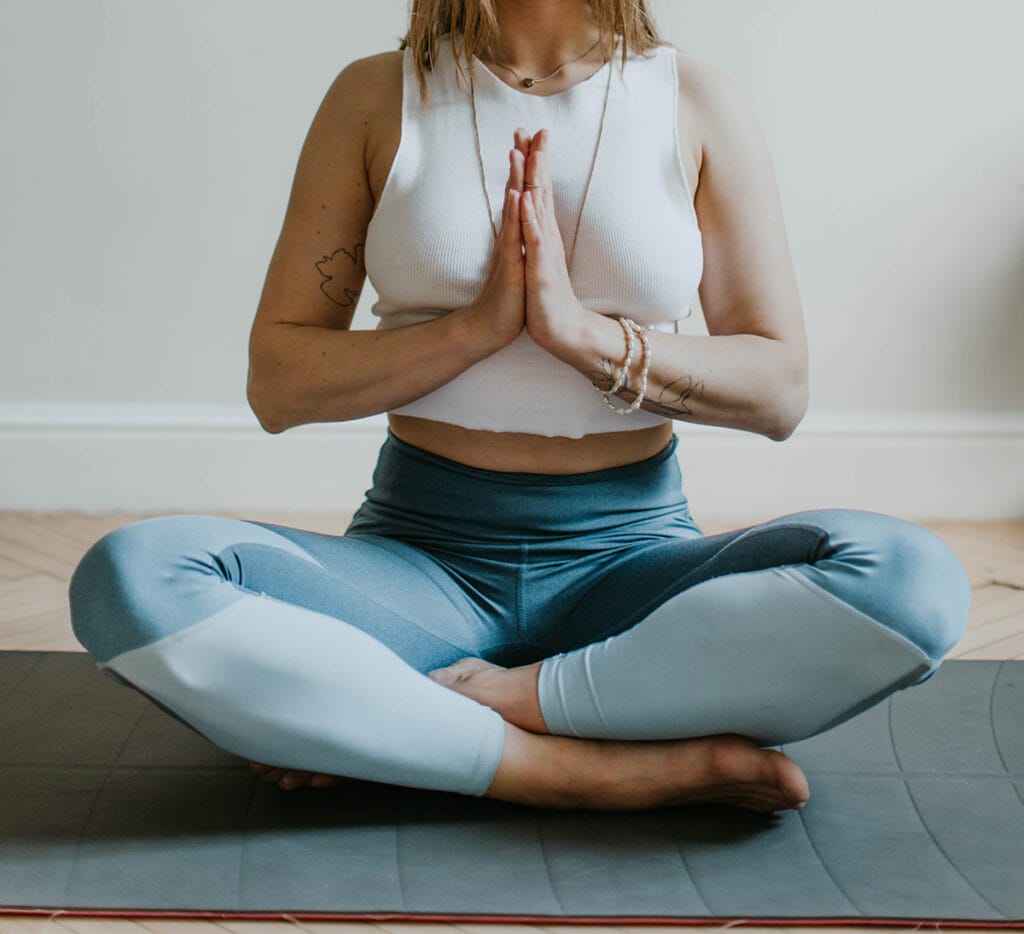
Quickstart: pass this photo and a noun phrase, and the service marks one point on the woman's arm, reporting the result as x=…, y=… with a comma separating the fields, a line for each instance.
x=305, y=365
x=750, y=373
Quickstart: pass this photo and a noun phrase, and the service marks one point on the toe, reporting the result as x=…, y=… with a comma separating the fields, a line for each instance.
x=791, y=779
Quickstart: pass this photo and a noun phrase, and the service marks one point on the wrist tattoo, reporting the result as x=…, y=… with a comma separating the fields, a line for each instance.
x=605, y=377
x=333, y=268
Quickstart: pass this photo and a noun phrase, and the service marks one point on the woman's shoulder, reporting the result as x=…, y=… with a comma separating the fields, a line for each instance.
x=368, y=83
x=365, y=101
x=715, y=101
x=381, y=66
x=699, y=77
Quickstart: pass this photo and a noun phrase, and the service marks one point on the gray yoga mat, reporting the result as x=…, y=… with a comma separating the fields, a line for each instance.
x=111, y=806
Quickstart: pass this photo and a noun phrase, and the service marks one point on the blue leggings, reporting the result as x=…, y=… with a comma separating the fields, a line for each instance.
x=310, y=651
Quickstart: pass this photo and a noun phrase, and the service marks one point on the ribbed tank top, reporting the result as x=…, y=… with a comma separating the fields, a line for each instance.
x=638, y=252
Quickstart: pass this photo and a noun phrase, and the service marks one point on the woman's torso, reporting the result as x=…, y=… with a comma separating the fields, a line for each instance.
x=507, y=450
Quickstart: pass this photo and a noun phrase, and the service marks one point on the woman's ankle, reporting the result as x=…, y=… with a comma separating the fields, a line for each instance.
x=523, y=702
x=533, y=769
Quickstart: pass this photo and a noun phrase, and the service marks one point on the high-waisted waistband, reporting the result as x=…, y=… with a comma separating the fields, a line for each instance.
x=414, y=489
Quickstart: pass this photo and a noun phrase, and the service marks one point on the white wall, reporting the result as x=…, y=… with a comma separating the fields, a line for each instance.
x=146, y=154
x=897, y=132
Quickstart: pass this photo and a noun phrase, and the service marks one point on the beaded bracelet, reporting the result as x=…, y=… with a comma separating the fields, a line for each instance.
x=628, y=325
x=620, y=377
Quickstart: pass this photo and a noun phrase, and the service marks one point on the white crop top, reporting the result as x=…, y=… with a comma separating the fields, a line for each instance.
x=638, y=252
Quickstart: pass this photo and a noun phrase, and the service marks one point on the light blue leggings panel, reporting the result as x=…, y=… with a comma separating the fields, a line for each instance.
x=277, y=657
x=310, y=651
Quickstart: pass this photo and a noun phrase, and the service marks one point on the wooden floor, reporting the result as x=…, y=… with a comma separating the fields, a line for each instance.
x=38, y=552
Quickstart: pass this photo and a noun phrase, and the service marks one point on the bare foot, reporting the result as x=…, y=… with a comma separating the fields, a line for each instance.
x=512, y=692
x=289, y=778
x=568, y=772
x=726, y=768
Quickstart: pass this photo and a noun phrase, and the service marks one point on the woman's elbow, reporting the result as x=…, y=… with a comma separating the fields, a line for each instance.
x=257, y=399
x=790, y=408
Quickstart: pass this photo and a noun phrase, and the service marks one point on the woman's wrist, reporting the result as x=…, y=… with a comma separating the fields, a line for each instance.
x=595, y=348
x=476, y=329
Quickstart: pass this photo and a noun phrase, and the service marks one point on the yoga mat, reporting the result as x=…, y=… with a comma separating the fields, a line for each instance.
x=111, y=806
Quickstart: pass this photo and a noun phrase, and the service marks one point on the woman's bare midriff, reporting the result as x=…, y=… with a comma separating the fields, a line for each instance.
x=519, y=452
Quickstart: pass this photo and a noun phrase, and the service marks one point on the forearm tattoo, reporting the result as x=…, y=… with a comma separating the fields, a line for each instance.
x=671, y=398
x=333, y=269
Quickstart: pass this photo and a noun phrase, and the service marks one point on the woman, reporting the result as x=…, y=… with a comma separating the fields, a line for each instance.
x=523, y=607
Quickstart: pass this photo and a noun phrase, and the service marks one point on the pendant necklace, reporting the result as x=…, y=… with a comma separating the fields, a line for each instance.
x=593, y=161
x=530, y=82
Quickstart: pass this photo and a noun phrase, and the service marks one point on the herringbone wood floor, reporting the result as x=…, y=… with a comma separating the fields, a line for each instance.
x=38, y=552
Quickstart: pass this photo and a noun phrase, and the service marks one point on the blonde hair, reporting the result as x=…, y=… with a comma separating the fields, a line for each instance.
x=476, y=22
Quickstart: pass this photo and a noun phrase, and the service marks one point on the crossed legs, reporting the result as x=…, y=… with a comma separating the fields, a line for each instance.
x=784, y=630
x=311, y=653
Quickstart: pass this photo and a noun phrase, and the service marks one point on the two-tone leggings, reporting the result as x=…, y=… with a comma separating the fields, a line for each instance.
x=309, y=651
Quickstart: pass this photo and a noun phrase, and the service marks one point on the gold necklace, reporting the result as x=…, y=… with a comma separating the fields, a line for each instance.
x=590, y=175
x=530, y=82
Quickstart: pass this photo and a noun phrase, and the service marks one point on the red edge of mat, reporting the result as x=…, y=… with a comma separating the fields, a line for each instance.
x=707, y=921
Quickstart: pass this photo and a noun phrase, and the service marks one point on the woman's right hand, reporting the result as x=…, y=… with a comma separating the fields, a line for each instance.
x=499, y=311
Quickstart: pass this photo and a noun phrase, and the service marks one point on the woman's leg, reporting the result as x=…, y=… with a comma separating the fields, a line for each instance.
x=857, y=606
x=311, y=655
x=776, y=632
x=241, y=631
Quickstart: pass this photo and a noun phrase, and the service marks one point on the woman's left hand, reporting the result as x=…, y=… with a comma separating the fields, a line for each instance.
x=554, y=315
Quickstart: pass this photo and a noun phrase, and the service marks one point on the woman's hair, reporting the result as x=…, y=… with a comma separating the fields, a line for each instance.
x=475, y=23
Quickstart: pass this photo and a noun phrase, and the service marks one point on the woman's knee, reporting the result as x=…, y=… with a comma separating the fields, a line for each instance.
x=899, y=573
x=121, y=592
x=935, y=594
x=100, y=583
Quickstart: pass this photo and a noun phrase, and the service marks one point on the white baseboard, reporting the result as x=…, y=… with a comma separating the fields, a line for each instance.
x=201, y=458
